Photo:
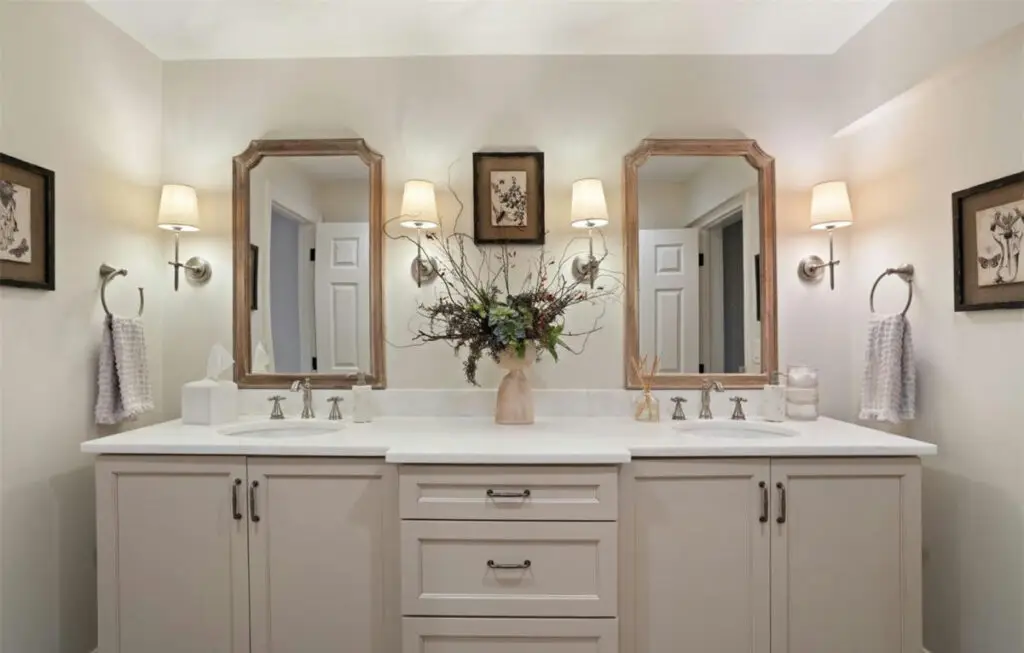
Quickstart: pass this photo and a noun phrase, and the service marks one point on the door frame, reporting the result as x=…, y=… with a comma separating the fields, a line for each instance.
x=712, y=346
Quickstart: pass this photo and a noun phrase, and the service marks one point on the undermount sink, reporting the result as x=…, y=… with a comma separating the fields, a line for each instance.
x=735, y=429
x=285, y=428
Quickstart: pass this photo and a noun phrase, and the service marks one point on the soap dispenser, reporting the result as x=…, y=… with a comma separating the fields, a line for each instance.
x=773, y=400
x=362, y=400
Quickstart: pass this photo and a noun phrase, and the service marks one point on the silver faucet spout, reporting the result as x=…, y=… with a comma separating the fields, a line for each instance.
x=306, y=386
x=706, y=386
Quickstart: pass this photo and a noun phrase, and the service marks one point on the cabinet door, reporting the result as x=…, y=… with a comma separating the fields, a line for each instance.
x=846, y=557
x=323, y=544
x=171, y=555
x=694, y=556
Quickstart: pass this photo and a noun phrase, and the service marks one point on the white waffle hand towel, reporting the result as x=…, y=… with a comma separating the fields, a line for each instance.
x=889, y=384
x=123, y=390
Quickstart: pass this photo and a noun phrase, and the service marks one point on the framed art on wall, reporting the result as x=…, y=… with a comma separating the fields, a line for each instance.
x=508, y=198
x=26, y=225
x=988, y=225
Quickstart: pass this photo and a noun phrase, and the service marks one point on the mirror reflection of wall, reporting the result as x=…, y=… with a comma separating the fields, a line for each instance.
x=309, y=217
x=699, y=247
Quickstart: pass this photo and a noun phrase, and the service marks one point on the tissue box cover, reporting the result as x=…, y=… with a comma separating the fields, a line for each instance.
x=209, y=402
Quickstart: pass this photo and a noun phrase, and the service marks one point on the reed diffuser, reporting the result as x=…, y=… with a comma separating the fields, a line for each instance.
x=645, y=407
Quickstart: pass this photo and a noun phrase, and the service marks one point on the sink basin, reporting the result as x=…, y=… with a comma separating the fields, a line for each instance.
x=736, y=430
x=285, y=428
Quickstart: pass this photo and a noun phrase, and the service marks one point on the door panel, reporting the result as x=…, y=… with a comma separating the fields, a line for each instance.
x=669, y=298
x=695, y=557
x=342, y=297
x=172, y=560
x=846, y=561
x=323, y=556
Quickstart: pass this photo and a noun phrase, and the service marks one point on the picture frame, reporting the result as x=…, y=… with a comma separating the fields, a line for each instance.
x=254, y=277
x=988, y=229
x=27, y=225
x=508, y=198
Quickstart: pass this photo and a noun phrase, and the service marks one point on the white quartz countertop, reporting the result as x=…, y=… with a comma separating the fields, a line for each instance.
x=470, y=440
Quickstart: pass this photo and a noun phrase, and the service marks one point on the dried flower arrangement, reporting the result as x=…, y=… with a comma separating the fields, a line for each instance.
x=492, y=300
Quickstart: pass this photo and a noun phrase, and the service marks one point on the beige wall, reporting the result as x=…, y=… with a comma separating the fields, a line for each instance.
x=959, y=129
x=424, y=114
x=78, y=97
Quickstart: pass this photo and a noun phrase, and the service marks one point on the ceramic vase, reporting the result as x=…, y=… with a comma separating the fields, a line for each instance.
x=515, y=396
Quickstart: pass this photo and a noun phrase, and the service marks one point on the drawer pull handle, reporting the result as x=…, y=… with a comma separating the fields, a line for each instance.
x=782, y=503
x=253, y=515
x=764, y=501
x=234, y=500
x=491, y=494
x=525, y=564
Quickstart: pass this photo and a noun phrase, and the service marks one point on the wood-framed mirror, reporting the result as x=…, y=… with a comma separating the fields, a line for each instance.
x=308, y=259
x=700, y=285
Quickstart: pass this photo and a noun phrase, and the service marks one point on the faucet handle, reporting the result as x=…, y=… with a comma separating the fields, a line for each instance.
x=276, y=412
x=678, y=414
x=335, y=408
x=737, y=412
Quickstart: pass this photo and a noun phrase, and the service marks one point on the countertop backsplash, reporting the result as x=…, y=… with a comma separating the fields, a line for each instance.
x=479, y=402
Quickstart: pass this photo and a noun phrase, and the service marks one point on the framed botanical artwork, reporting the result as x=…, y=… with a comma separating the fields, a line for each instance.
x=508, y=198
x=988, y=225
x=26, y=225
x=254, y=277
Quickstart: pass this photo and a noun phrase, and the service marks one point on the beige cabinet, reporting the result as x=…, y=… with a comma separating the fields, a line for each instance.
x=828, y=560
x=694, y=556
x=173, y=572
x=225, y=555
x=322, y=556
x=846, y=559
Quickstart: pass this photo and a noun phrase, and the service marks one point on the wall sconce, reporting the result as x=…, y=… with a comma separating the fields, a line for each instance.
x=830, y=210
x=589, y=211
x=179, y=211
x=419, y=205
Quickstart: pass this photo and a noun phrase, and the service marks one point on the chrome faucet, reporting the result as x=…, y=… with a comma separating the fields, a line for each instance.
x=307, y=396
x=706, y=386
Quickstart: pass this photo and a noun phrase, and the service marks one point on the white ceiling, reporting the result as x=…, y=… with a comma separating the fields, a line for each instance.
x=330, y=168
x=258, y=29
x=672, y=168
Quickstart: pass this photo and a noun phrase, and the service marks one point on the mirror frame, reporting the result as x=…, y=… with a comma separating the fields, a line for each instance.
x=243, y=165
x=765, y=166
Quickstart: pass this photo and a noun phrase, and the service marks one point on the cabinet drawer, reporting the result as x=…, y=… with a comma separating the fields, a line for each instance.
x=510, y=569
x=510, y=635
x=509, y=493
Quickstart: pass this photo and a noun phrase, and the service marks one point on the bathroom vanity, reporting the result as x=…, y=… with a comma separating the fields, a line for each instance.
x=455, y=536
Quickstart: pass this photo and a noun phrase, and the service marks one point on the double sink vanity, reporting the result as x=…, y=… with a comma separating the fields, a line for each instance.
x=588, y=532
x=453, y=535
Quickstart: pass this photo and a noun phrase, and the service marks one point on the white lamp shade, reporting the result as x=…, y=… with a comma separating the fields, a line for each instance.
x=179, y=208
x=589, y=210
x=830, y=206
x=419, y=205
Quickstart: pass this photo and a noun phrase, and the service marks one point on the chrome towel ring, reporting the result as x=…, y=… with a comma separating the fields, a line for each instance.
x=109, y=273
x=905, y=272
